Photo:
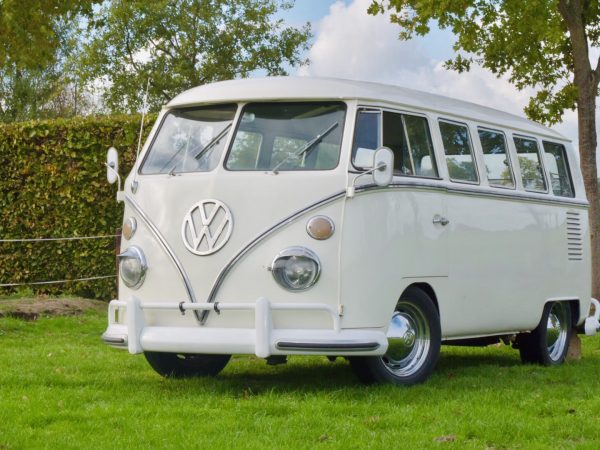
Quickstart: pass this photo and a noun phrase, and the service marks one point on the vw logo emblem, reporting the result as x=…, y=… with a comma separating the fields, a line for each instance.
x=206, y=227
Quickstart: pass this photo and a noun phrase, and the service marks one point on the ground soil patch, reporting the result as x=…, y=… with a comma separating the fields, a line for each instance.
x=32, y=308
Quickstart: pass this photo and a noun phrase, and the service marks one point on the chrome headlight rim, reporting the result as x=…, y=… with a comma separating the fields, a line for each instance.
x=286, y=254
x=136, y=253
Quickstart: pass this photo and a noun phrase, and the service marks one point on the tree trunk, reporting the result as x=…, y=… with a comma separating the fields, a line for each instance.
x=586, y=81
x=586, y=111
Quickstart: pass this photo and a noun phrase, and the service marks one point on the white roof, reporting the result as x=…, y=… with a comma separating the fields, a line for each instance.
x=312, y=88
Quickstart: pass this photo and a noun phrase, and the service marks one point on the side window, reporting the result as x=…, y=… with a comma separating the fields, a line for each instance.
x=495, y=157
x=420, y=146
x=407, y=136
x=459, y=152
x=395, y=138
x=558, y=167
x=366, y=138
x=530, y=163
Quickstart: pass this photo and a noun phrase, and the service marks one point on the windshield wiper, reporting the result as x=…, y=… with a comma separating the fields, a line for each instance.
x=214, y=142
x=307, y=147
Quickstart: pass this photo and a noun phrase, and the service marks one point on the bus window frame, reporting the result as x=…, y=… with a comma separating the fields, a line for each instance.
x=540, y=158
x=508, y=156
x=473, y=152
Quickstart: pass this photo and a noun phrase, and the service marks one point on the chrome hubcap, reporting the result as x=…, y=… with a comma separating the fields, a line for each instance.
x=408, y=340
x=556, y=331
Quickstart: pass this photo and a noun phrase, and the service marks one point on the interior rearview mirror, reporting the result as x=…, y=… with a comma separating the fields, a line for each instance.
x=383, y=166
x=112, y=165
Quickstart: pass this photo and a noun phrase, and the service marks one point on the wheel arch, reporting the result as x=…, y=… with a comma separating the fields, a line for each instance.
x=428, y=289
x=575, y=311
x=574, y=304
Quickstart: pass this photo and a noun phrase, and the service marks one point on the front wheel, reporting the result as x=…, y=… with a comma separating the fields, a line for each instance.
x=414, y=338
x=548, y=343
x=180, y=365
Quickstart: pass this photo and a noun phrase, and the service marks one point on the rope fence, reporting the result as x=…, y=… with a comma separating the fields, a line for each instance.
x=55, y=239
x=73, y=238
x=56, y=281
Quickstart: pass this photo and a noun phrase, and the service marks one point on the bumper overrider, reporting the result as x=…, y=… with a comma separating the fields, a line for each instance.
x=127, y=329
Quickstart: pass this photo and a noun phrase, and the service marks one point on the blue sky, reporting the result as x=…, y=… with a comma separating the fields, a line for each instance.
x=309, y=10
x=349, y=43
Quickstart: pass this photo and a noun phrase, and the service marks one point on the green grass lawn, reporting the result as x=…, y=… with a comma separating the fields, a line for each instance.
x=61, y=387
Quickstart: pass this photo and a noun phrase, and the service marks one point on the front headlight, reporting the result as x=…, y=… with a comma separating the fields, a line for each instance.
x=132, y=267
x=296, y=268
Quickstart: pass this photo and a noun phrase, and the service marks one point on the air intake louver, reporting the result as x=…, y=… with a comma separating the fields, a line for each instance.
x=574, y=236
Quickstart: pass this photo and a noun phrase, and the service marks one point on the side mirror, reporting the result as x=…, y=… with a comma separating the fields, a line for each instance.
x=112, y=165
x=383, y=166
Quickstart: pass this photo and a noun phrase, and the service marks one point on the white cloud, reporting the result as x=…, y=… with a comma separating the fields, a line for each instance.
x=352, y=44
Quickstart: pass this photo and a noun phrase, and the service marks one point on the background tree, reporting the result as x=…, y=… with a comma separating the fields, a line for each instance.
x=178, y=44
x=544, y=44
x=29, y=33
x=36, y=39
x=46, y=90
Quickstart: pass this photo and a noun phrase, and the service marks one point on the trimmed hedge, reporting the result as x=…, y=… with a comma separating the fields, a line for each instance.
x=53, y=184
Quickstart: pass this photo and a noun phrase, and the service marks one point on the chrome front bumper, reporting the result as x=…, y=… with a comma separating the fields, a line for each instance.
x=263, y=340
x=592, y=322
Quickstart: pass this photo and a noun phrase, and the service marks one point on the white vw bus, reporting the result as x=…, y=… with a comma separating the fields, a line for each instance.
x=303, y=216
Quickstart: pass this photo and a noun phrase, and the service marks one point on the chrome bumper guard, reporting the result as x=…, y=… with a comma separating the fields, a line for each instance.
x=263, y=340
x=592, y=323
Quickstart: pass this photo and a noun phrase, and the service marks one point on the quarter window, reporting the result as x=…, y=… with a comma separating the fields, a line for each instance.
x=495, y=157
x=558, y=167
x=530, y=163
x=406, y=135
x=459, y=152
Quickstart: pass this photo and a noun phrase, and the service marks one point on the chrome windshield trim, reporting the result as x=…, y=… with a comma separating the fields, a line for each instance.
x=168, y=250
x=250, y=245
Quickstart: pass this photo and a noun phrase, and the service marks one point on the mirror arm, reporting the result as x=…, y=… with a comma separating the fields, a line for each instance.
x=112, y=169
x=350, y=190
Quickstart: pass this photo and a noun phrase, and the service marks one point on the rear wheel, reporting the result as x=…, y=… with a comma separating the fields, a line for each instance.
x=548, y=343
x=414, y=338
x=179, y=365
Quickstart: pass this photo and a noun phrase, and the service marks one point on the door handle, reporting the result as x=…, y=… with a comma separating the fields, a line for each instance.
x=441, y=220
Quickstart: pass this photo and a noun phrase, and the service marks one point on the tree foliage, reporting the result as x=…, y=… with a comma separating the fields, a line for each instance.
x=30, y=32
x=36, y=40
x=526, y=40
x=178, y=44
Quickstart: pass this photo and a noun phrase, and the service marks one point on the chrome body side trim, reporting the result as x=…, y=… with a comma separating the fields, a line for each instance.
x=421, y=184
x=478, y=191
x=250, y=245
x=162, y=241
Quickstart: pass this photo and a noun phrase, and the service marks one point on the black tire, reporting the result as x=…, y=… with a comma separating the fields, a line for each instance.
x=405, y=363
x=183, y=365
x=548, y=343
